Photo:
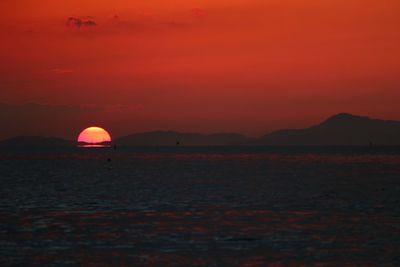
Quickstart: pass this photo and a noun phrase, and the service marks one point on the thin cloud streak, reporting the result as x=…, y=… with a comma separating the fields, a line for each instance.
x=80, y=22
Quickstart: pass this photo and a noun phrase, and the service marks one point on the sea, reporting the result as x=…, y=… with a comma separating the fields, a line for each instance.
x=200, y=206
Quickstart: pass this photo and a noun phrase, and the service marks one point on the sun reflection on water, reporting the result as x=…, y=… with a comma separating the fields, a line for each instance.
x=94, y=145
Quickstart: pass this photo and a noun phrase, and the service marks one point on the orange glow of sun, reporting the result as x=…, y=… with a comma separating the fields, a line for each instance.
x=94, y=135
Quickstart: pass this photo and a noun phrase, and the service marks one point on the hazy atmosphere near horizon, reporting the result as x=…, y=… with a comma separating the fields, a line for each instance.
x=207, y=133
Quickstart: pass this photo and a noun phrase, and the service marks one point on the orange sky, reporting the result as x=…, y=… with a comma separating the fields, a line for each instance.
x=249, y=66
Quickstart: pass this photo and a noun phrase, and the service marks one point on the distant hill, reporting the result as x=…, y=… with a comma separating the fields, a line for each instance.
x=170, y=138
x=36, y=141
x=341, y=129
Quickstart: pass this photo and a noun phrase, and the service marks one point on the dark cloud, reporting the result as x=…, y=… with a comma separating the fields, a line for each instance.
x=199, y=13
x=115, y=16
x=80, y=22
x=61, y=71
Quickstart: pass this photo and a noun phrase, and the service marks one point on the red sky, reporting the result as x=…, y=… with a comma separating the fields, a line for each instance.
x=249, y=66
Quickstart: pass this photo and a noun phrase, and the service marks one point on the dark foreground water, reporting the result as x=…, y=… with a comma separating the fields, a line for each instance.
x=200, y=207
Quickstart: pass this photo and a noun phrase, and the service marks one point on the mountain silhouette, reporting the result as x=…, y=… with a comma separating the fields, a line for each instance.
x=340, y=129
x=171, y=138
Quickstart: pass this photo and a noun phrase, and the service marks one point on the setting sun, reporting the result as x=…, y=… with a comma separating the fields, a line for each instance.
x=94, y=135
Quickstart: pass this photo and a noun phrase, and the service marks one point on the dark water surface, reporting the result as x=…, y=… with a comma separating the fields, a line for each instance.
x=221, y=206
